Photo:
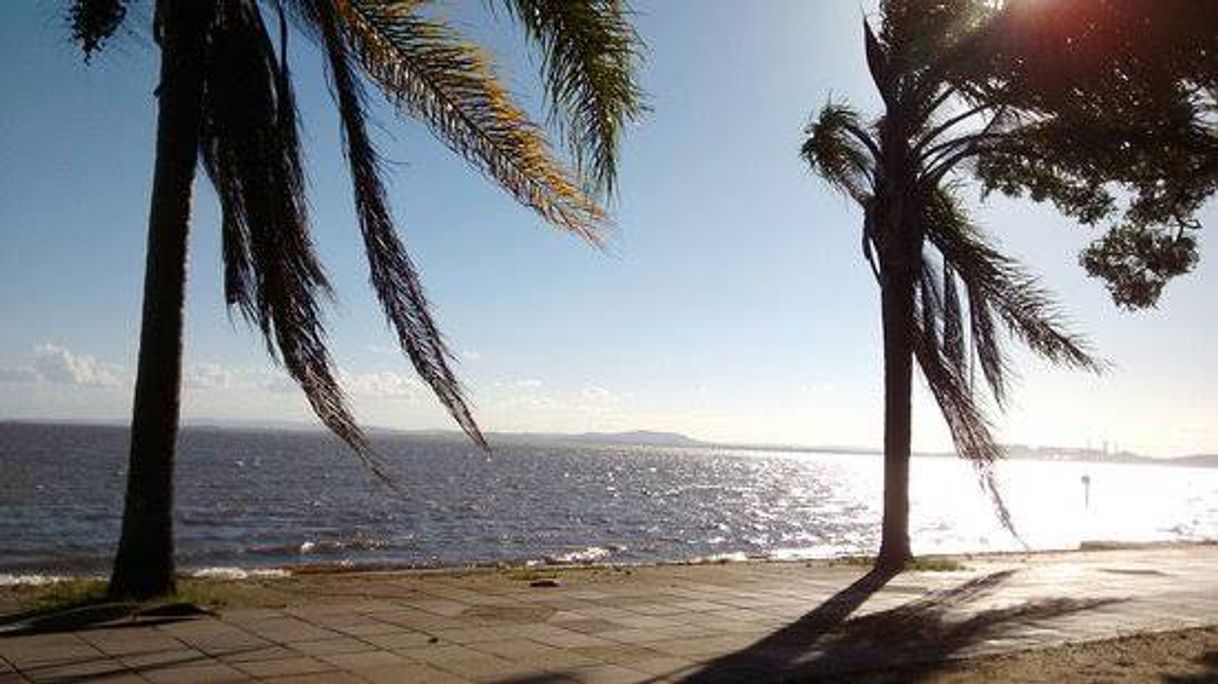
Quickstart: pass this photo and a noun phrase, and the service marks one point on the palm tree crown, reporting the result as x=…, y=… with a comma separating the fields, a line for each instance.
x=967, y=297
x=250, y=150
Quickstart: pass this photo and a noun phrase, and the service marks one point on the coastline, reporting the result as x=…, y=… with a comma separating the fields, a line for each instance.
x=1034, y=612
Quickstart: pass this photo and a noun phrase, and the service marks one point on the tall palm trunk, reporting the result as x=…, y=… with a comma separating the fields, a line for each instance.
x=897, y=310
x=144, y=564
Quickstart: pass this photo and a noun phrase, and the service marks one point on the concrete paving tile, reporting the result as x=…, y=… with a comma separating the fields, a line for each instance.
x=283, y=667
x=607, y=674
x=467, y=662
x=10, y=677
x=244, y=615
x=331, y=646
x=399, y=639
x=264, y=653
x=539, y=656
x=590, y=625
x=75, y=670
x=212, y=673
x=333, y=677
x=223, y=642
x=657, y=609
x=702, y=646
x=363, y=661
x=129, y=640
x=410, y=672
x=665, y=666
x=287, y=630
x=618, y=654
x=643, y=621
x=366, y=627
x=636, y=636
x=178, y=656
x=445, y=607
x=469, y=635
x=23, y=651
x=418, y=619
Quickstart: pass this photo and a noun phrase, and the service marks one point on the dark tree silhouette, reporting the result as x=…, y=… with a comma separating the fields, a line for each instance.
x=225, y=101
x=966, y=92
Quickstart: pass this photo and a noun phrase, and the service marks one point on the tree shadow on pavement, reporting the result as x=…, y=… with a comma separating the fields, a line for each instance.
x=827, y=644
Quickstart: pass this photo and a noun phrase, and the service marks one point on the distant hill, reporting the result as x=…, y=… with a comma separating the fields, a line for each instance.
x=1196, y=461
x=637, y=437
x=644, y=437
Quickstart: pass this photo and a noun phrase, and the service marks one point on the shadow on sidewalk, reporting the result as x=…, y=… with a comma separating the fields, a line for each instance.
x=828, y=644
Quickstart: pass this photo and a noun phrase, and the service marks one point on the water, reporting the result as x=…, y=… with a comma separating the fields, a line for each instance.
x=263, y=499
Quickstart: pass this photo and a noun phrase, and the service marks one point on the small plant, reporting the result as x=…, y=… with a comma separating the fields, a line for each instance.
x=935, y=564
x=531, y=575
x=66, y=594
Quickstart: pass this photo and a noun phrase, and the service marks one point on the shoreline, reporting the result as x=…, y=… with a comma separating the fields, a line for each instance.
x=1035, y=616
x=236, y=573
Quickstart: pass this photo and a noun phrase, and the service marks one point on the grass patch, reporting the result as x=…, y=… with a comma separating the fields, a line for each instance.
x=854, y=561
x=935, y=564
x=78, y=593
x=66, y=594
x=531, y=575
x=918, y=564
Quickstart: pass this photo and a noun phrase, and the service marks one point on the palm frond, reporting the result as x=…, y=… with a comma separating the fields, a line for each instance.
x=95, y=21
x=590, y=54
x=998, y=282
x=953, y=322
x=432, y=73
x=393, y=275
x=967, y=423
x=840, y=150
x=251, y=152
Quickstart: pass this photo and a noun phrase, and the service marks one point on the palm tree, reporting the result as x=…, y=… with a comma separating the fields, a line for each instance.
x=225, y=101
x=949, y=299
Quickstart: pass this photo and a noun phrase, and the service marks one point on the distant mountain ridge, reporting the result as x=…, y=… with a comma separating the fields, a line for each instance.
x=658, y=438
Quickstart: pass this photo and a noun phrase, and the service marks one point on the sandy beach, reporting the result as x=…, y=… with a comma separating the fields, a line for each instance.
x=1136, y=614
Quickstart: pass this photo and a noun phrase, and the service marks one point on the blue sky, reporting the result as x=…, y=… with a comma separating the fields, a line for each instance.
x=732, y=303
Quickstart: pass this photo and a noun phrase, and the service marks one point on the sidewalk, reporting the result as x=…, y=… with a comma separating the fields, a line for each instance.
x=745, y=621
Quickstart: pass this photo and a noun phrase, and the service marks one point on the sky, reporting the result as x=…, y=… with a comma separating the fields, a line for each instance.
x=732, y=303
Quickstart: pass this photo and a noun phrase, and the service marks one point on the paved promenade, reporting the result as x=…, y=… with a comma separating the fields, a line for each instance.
x=736, y=622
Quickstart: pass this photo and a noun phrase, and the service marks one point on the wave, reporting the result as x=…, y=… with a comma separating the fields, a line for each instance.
x=34, y=579
x=233, y=573
x=586, y=555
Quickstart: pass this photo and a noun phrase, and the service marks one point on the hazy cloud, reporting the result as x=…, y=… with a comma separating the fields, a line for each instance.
x=56, y=364
x=18, y=375
x=382, y=385
x=210, y=376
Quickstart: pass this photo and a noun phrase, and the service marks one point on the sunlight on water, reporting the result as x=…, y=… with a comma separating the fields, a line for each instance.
x=269, y=499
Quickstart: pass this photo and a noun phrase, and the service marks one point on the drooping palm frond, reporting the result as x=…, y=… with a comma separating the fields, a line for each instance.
x=94, y=21
x=840, y=150
x=393, y=275
x=251, y=152
x=968, y=425
x=431, y=73
x=590, y=54
x=1027, y=309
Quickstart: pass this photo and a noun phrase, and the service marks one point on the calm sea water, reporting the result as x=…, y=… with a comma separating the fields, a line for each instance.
x=264, y=499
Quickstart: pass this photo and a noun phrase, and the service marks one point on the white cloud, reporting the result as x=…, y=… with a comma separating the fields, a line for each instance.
x=56, y=364
x=599, y=396
x=382, y=385
x=19, y=374
x=528, y=383
x=210, y=376
x=279, y=383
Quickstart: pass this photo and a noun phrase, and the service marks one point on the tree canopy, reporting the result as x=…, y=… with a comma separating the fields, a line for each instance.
x=1106, y=108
